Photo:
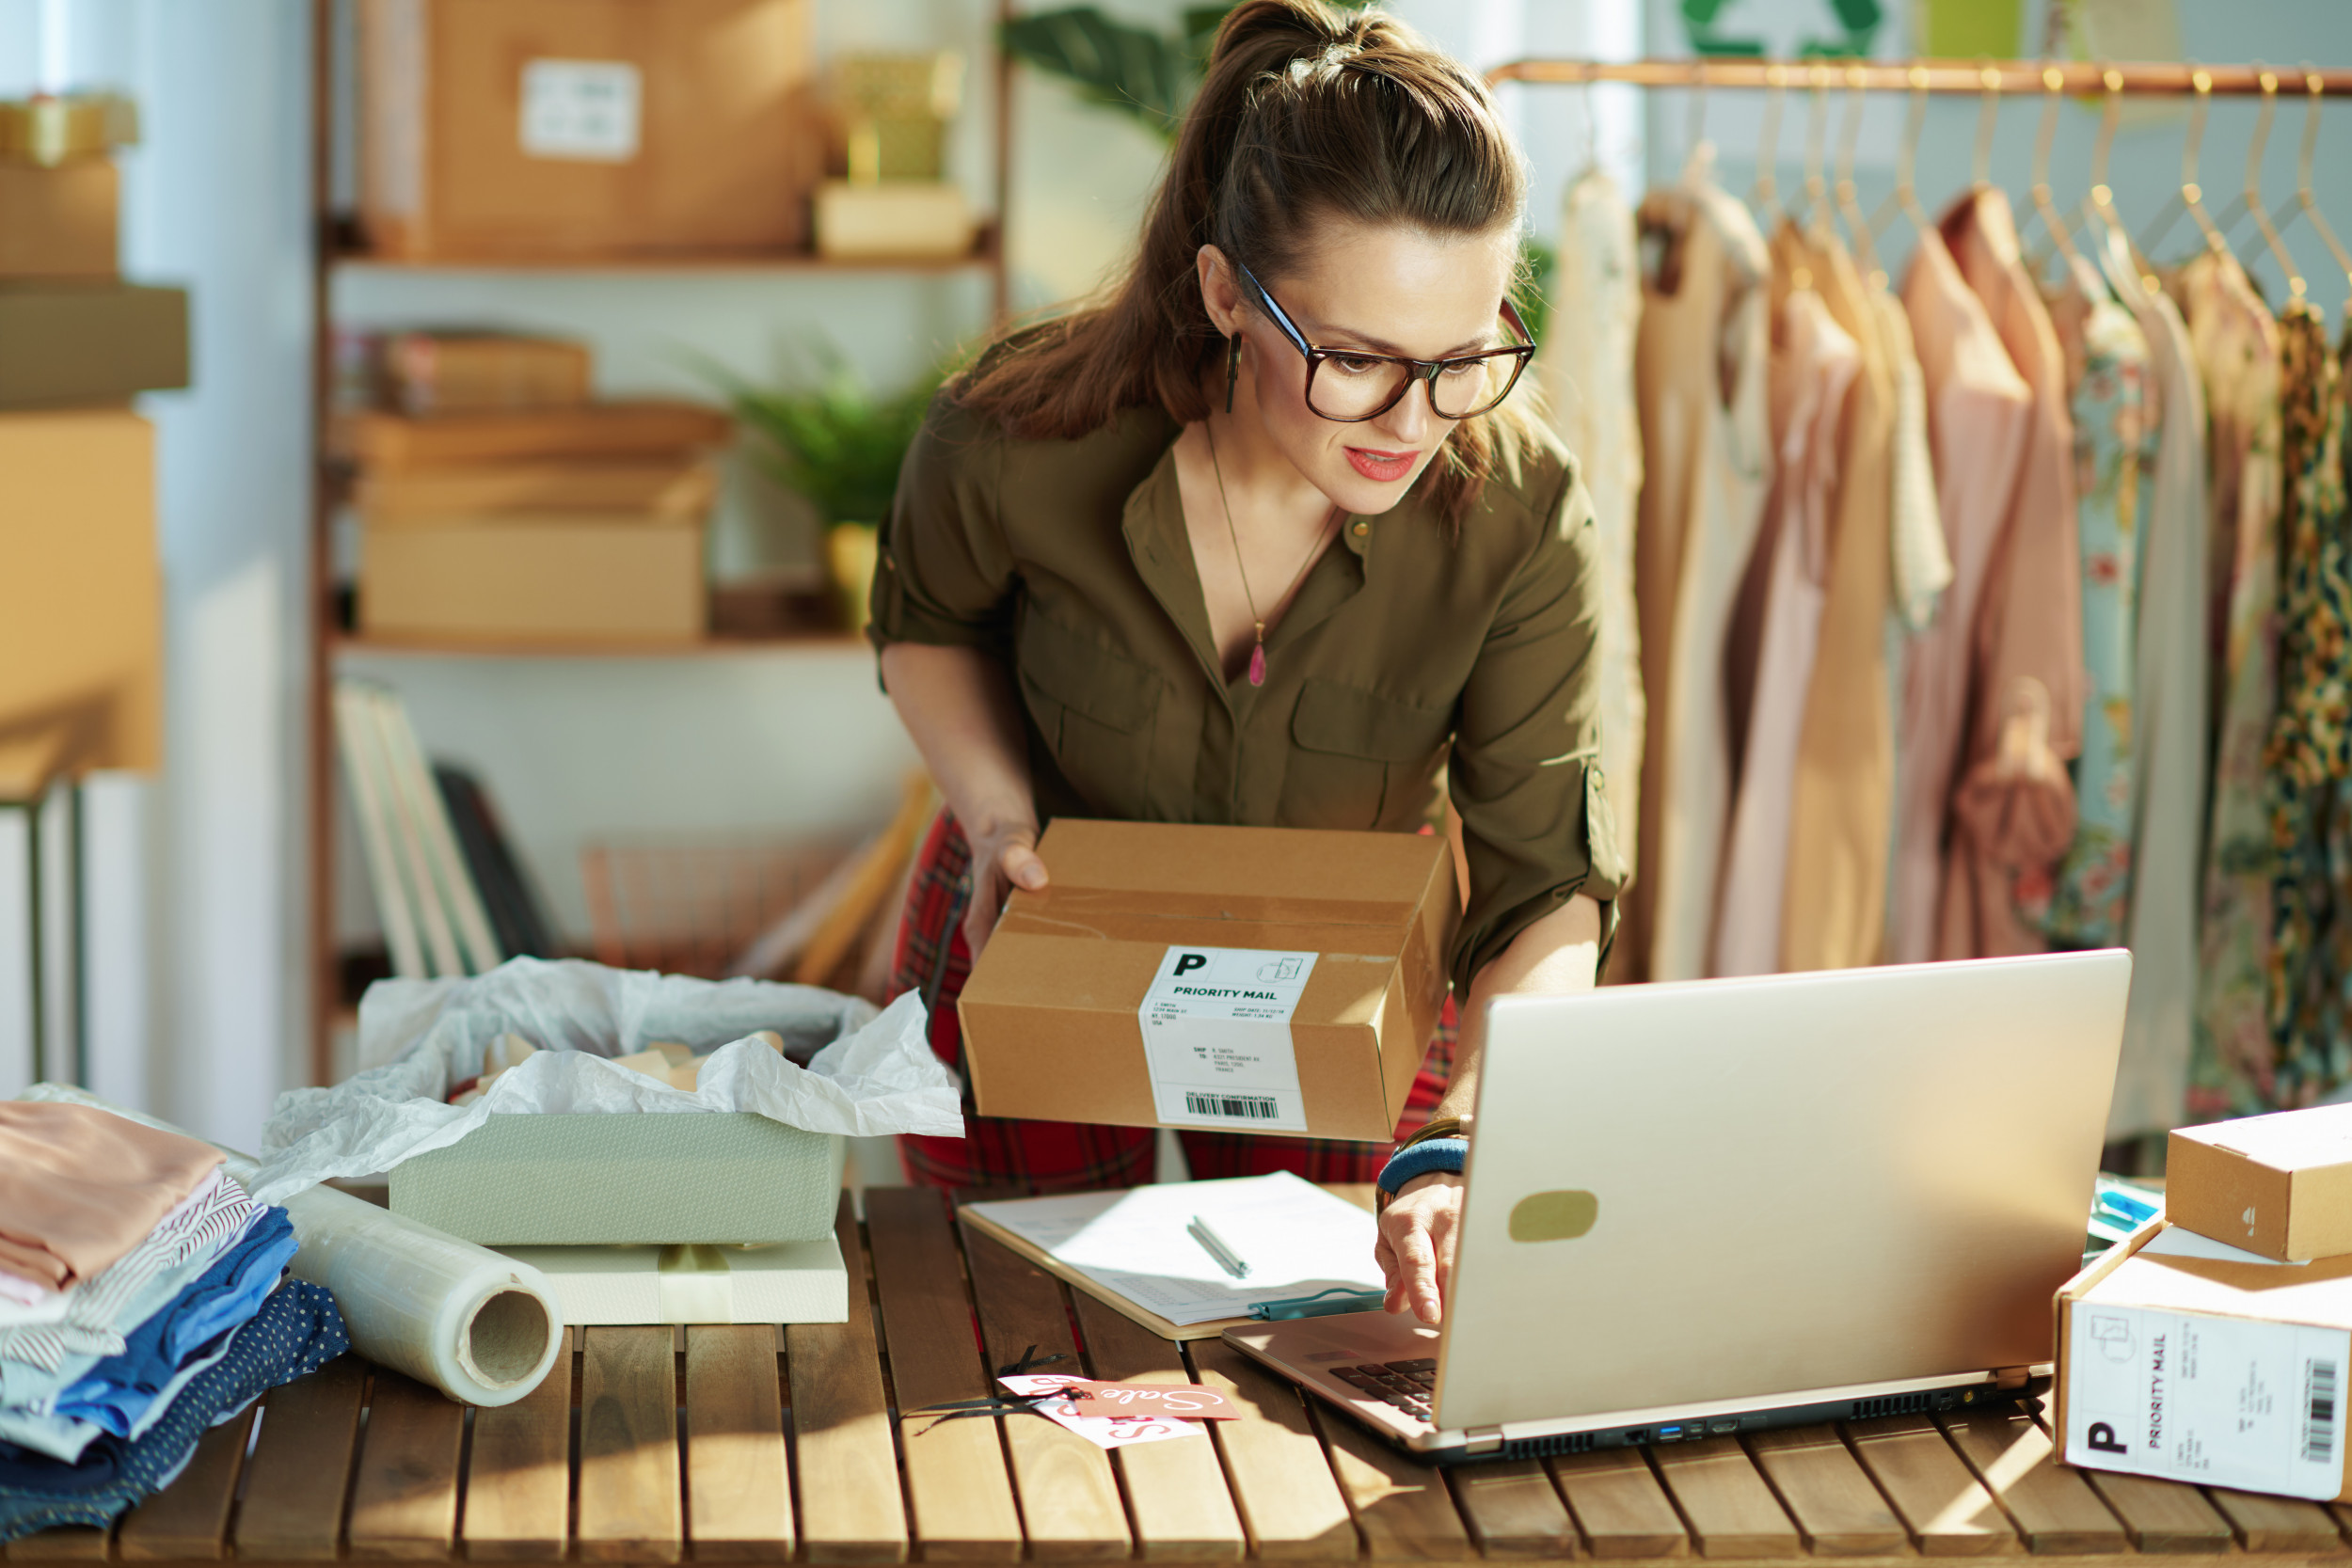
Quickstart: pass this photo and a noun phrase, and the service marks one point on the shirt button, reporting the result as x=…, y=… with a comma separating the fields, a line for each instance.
x=1360, y=529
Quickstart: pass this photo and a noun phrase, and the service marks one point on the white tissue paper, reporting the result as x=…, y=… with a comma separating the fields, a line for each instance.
x=869, y=1073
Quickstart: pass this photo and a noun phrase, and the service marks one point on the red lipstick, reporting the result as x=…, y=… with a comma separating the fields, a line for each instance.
x=1381, y=468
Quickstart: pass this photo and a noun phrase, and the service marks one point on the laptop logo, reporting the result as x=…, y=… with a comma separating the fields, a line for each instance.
x=1557, y=1216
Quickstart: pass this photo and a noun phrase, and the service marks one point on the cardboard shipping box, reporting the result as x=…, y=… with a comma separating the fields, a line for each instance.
x=1253, y=979
x=81, y=593
x=2183, y=1358
x=554, y=580
x=598, y=431
x=58, y=222
x=586, y=128
x=64, y=342
x=472, y=373
x=2280, y=1185
x=673, y=487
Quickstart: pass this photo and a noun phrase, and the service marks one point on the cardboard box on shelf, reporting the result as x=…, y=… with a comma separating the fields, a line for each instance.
x=472, y=373
x=64, y=342
x=586, y=128
x=81, y=595
x=596, y=430
x=712, y=1178
x=2188, y=1360
x=58, y=222
x=2280, y=1185
x=671, y=488
x=919, y=219
x=792, y=1282
x=1253, y=979
x=559, y=579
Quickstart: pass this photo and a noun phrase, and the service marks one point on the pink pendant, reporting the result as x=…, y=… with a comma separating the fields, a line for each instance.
x=1257, y=665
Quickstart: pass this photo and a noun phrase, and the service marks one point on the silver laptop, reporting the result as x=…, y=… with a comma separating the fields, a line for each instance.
x=1714, y=1207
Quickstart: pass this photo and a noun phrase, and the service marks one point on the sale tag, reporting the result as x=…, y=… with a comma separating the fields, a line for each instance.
x=1187, y=1401
x=1097, y=1424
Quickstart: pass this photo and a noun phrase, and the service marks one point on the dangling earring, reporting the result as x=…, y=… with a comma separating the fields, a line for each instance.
x=1232, y=368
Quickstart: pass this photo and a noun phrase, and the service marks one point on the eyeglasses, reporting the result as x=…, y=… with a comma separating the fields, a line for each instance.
x=1351, y=388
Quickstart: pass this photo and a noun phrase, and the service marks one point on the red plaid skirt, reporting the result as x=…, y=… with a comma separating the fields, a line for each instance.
x=1059, y=1156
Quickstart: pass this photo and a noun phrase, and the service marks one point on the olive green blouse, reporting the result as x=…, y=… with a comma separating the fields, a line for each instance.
x=1409, y=651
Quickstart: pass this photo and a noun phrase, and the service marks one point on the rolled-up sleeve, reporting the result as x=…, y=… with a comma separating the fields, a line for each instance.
x=1525, y=775
x=944, y=574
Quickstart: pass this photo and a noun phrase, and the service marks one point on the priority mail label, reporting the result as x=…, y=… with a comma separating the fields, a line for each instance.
x=2223, y=1402
x=1216, y=1033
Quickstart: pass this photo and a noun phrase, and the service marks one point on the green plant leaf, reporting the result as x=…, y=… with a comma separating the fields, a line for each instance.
x=1144, y=74
x=836, y=443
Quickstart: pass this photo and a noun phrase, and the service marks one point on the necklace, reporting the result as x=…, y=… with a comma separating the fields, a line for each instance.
x=1257, y=654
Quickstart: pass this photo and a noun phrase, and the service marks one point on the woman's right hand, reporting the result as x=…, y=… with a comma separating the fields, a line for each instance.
x=1004, y=857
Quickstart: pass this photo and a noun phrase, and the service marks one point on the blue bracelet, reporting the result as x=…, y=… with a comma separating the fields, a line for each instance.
x=1423, y=1157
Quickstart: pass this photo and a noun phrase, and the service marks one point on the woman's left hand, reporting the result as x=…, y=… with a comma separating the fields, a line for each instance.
x=1418, y=1232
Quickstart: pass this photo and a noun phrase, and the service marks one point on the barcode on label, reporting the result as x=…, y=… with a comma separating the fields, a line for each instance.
x=2319, y=1423
x=1247, y=1107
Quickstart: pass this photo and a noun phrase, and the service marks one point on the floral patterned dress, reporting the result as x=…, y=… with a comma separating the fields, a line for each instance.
x=2114, y=439
x=2311, y=735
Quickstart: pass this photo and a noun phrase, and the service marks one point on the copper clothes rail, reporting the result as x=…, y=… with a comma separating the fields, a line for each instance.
x=1952, y=76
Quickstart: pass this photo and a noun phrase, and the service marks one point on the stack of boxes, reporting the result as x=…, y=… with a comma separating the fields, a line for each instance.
x=2212, y=1347
x=501, y=505
x=892, y=113
x=80, y=587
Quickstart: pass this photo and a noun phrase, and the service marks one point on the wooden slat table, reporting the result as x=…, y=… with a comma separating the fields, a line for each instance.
x=733, y=1444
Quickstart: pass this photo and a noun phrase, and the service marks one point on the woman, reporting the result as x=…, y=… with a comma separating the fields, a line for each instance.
x=1257, y=540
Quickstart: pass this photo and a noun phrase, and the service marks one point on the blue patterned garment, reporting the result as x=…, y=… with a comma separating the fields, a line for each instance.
x=297, y=1331
x=2114, y=439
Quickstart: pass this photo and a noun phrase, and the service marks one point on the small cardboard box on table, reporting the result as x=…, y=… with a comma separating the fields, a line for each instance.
x=1250, y=979
x=2280, y=1185
x=2183, y=1358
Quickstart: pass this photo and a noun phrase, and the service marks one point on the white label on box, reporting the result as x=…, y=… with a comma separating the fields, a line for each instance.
x=581, y=110
x=2224, y=1401
x=1216, y=1032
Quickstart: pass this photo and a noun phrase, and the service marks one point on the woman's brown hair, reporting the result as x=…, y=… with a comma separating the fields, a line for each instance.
x=1308, y=116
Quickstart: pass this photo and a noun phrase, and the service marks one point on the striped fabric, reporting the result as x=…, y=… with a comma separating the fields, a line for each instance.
x=207, y=1221
x=1062, y=1156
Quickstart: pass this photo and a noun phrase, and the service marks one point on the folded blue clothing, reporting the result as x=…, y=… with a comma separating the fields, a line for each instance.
x=121, y=1389
x=297, y=1331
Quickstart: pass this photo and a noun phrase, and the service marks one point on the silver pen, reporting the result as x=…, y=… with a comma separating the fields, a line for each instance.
x=1227, y=1259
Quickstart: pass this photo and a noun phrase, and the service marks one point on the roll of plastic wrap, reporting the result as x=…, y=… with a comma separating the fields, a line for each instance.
x=480, y=1328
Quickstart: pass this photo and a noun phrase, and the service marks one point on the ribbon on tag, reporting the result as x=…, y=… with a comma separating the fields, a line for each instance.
x=696, y=1285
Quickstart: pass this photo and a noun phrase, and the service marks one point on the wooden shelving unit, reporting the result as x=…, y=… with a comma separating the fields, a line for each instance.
x=330, y=641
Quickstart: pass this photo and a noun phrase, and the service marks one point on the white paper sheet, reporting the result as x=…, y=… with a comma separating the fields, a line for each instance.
x=1296, y=1239
x=867, y=1074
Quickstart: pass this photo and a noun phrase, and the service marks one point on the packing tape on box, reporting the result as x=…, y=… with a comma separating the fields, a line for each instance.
x=483, y=1330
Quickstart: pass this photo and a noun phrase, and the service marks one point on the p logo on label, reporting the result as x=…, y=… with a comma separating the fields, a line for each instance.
x=2102, y=1436
x=1557, y=1216
x=1188, y=963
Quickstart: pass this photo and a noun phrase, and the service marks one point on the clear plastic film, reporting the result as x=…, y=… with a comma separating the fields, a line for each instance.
x=482, y=1328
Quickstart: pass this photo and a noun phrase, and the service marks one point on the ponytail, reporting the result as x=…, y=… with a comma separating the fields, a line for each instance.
x=1306, y=116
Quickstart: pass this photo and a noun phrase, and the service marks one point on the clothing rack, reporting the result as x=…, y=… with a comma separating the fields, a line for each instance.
x=1945, y=76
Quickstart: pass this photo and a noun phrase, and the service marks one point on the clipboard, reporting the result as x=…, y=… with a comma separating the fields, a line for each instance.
x=1358, y=1193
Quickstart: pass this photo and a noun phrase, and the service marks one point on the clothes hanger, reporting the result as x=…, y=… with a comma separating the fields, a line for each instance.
x=2053, y=84
x=1988, y=120
x=1817, y=219
x=1592, y=124
x=1697, y=154
x=2308, y=203
x=2269, y=79
x=2191, y=199
x=2103, y=194
x=1848, y=207
x=1767, y=194
x=1905, y=197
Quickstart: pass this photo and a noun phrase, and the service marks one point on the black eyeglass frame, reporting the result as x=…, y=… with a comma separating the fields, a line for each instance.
x=1418, y=371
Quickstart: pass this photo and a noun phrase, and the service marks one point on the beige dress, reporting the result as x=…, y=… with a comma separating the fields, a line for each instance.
x=1978, y=408
x=1703, y=357
x=1585, y=366
x=1816, y=364
x=2013, y=806
x=1834, y=904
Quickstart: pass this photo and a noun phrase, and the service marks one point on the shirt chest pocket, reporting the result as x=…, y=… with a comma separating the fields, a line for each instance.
x=1095, y=710
x=1361, y=760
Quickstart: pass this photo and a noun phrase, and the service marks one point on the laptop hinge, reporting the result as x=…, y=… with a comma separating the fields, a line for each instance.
x=1482, y=1439
x=2011, y=1377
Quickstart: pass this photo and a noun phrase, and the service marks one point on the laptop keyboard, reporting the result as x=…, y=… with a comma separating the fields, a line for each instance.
x=1406, y=1385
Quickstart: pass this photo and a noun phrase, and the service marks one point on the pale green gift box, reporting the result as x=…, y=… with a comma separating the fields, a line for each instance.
x=721, y=1178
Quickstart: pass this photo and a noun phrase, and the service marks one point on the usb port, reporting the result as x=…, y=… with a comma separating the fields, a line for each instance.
x=1669, y=1434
